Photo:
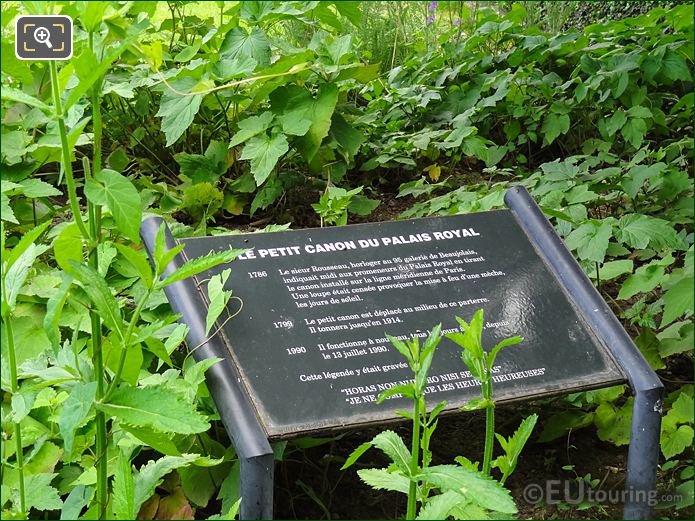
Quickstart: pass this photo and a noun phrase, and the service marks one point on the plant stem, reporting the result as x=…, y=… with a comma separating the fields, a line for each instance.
x=415, y=456
x=19, y=454
x=65, y=149
x=486, y=389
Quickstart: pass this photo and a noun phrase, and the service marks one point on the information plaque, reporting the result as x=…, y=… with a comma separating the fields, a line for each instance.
x=304, y=343
x=314, y=307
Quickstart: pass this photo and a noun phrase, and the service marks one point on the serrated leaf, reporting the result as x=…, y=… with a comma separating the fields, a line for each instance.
x=678, y=300
x=100, y=294
x=151, y=475
x=123, y=499
x=177, y=111
x=355, y=455
x=201, y=264
x=616, y=122
x=392, y=445
x=514, y=445
x=239, y=43
x=475, y=486
x=251, y=126
x=439, y=506
x=639, y=231
x=122, y=198
x=264, y=153
x=382, y=479
x=590, y=240
x=16, y=275
x=633, y=131
x=554, y=125
x=11, y=94
x=155, y=408
x=34, y=188
x=634, y=179
x=645, y=278
x=39, y=494
x=75, y=412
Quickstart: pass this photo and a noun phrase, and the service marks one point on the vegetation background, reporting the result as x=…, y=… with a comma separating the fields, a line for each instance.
x=224, y=116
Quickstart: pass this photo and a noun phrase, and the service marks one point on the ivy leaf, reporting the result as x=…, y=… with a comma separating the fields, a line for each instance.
x=75, y=412
x=382, y=479
x=238, y=44
x=676, y=441
x=633, y=131
x=121, y=197
x=177, y=111
x=264, y=153
x=475, y=486
x=156, y=408
x=590, y=240
x=554, y=125
x=678, y=300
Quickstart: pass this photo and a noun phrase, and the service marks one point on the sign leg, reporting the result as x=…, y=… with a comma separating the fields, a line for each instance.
x=643, y=454
x=256, y=475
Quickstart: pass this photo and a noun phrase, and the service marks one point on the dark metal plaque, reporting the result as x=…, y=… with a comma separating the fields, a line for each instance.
x=309, y=340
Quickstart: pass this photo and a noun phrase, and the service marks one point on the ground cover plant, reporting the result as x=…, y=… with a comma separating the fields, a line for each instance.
x=252, y=115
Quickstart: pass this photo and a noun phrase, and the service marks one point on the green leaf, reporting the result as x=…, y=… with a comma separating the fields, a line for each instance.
x=613, y=269
x=633, y=131
x=138, y=261
x=201, y=264
x=639, y=112
x=121, y=197
x=151, y=475
x=613, y=424
x=155, y=408
x=11, y=94
x=16, y=275
x=39, y=494
x=227, y=67
x=355, y=455
x=392, y=445
x=159, y=441
x=252, y=126
x=264, y=153
x=590, y=240
x=645, y=278
x=35, y=188
x=639, y=231
x=177, y=111
x=238, y=43
x=27, y=239
x=675, y=442
x=100, y=295
x=554, y=125
x=382, y=479
x=407, y=390
x=678, y=300
x=54, y=309
x=347, y=137
x=674, y=67
x=475, y=486
x=616, y=122
x=514, y=445
x=67, y=247
x=495, y=350
x=78, y=498
x=75, y=412
x=635, y=178
x=439, y=506
x=123, y=498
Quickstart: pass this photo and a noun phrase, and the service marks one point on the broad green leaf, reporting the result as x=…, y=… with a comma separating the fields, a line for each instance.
x=16, y=275
x=264, y=153
x=678, y=300
x=39, y=493
x=252, y=126
x=392, y=445
x=613, y=269
x=675, y=67
x=616, y=122
x=676, y=441
x=151, y=475
x=590, y=240
x=100, y=294
x=227, y=67
x=155, y=408
x=75, y=412
x=475, y=486
x=682, y=408
x=613, y=424
x=68, y=247
x=633, y=131
x=35, y=188
x=639, y=231
x=295, y=123
x=635, y=178
x=639, y=112
x=195, y=374
x=159, y=441
x=238, y=43
x=382, y=479
x=201, y=264
x=347, y=137
x=560, y=424
x=91, y=14
x=439, y=506
x=113, y=349
x=123, y=498
x=176, y=110
x=554, y=125
x=645, y=278
x=122, y=198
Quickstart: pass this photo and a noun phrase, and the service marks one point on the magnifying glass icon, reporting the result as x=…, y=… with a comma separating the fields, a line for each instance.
x=43, y=35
